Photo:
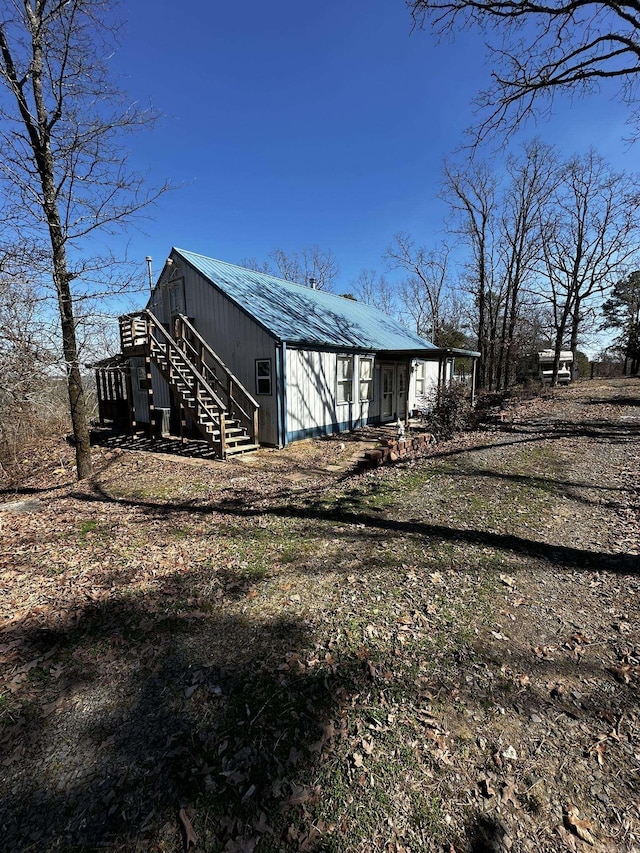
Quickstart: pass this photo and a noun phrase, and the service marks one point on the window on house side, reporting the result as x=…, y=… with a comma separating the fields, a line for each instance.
x=344, y=380
x=143, y=385
x=263, y=376
x=366, y=379
x=420, y=379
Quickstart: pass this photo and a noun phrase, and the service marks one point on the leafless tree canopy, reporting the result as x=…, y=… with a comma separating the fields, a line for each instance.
x=543, y=242
x=309, y=264
x=62, y=164
x=540, y=48
x=373, y=288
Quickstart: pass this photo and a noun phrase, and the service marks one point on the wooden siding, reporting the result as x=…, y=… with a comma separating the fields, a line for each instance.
x=431, y=383
x=311, y=395
x=235, y=337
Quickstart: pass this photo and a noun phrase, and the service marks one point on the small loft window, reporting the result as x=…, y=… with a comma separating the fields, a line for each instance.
x=263, y=376
x=344, y=379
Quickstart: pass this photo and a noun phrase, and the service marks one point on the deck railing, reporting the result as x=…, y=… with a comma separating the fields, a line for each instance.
x=192, y=389
x=133, y=332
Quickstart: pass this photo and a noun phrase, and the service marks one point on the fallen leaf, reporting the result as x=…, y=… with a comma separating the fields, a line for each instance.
x=499, y=635
x=545, y=652
x=582, y=828
x=507, y=580
x=190, y=836
x=486, y=787
x=622, y=673
x=304, y=794
x=508, y=793
x=598, y=751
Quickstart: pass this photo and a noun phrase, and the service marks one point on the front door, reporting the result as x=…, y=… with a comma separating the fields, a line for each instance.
x=388, y=392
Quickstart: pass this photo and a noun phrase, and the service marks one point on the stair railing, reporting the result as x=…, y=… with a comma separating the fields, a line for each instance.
x=178, y=369
x=239, y=403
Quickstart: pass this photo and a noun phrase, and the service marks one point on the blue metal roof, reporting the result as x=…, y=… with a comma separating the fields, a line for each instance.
x=300, y=315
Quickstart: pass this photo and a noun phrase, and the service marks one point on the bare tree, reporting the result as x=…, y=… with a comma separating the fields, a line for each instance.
x=542, y=48
x=313, y=266
x=472, y=196
x=589, y=239
x=61, y=159
x=373, y=288
x=256, y=265
x=427, y=291
x=531, y=178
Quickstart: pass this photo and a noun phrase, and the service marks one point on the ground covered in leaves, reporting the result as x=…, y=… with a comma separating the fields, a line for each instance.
x=280, y=654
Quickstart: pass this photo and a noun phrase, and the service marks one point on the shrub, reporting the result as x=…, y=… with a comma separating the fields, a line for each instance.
x=452, y=412
x=29, y=424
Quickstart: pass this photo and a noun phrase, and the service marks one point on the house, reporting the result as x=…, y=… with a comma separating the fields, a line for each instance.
x=248, y=359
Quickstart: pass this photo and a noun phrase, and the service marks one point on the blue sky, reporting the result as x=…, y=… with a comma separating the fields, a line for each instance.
x=287, y=124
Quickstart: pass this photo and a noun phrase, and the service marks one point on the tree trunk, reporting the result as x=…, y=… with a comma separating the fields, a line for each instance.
x=41, y=146
x=75, y=389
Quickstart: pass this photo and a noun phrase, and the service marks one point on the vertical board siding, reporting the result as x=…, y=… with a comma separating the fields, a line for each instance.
x=431, y=385
x=311, y=391
x=311, y=394
x=140, y=397
x=237, y=339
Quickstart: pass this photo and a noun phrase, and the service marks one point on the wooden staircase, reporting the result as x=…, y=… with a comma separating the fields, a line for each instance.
x=215, y=400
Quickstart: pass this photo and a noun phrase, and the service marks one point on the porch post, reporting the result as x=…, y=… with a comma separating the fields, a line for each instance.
x=130, y=404
x=99, y=394
x=473, y=381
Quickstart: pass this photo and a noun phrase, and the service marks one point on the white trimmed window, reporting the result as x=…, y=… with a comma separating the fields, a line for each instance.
x=402, y=381
x=421, y=375
x=263, y=376
x=344, y=379
x=366, y=379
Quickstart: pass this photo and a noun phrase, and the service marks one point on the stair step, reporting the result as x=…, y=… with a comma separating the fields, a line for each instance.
x=202, y=405
x=242, y=448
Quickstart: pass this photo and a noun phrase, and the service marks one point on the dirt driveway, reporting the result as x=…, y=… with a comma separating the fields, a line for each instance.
x=278, y=654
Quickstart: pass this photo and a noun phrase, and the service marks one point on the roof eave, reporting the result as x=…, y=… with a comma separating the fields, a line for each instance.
x=430, y=353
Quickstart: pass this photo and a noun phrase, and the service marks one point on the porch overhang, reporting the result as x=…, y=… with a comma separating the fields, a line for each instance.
x=431, y=354
x=114, y=362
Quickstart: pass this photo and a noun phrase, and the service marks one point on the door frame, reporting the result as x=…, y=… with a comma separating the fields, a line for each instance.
x=399, y=399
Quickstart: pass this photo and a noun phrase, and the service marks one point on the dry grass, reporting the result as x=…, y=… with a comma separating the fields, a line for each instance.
x=439, y=656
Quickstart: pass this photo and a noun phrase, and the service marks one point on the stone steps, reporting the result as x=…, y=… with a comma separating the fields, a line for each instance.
x=395, y=449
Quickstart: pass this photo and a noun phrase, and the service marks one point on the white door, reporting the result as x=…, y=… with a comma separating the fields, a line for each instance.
x=388, y=392
x=402, y=391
